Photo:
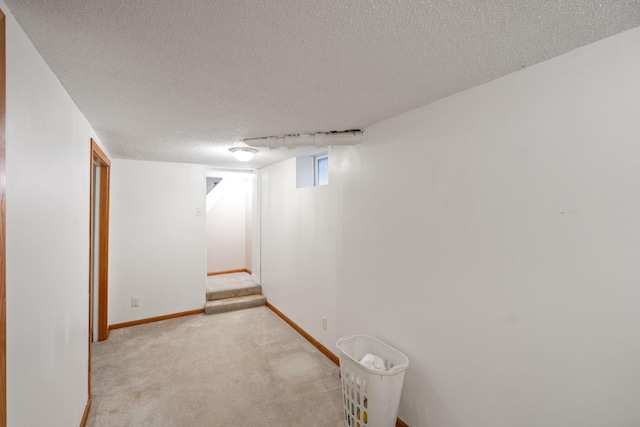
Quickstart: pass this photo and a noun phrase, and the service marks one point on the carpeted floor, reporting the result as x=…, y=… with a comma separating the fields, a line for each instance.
x=243, y=368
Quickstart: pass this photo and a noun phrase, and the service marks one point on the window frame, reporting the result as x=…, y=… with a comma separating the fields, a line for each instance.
x=316, y=170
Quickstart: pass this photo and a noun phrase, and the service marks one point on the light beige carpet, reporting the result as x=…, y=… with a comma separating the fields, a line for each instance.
x=223, y=282
x=243, y=368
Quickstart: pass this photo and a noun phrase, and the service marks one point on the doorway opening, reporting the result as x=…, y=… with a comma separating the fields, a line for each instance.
x=229, y=221
x=98, y=247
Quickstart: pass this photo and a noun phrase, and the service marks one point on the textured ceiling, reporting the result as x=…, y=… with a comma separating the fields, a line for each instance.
x=184, y=80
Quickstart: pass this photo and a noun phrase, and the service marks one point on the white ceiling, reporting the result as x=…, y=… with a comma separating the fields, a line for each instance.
x=184, y=80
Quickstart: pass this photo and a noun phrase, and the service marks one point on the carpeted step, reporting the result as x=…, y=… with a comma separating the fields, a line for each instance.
x=232, y=304
x=213, y=295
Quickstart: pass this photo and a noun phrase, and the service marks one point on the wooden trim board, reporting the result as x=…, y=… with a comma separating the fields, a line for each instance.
x=324, y=350
x=239, y=270
x=103, y=279
x=83, y=421
x=155, y=319
x=103, y=159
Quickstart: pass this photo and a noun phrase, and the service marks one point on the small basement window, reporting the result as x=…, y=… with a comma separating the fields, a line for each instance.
x=312, y=170
x=321, y=169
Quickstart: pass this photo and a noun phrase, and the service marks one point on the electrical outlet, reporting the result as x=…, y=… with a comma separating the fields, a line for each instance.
x=324, y=323
x=134, y=302
x=199, y=211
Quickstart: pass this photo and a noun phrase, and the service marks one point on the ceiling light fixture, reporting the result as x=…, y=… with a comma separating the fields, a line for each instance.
x=244, y=154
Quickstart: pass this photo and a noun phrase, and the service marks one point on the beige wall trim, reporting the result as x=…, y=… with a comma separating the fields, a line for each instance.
x=324, y=350
x=83, y=421
x=239, y=270
x=156, y=319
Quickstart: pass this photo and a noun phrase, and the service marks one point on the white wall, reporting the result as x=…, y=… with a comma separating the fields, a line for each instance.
x=227, y=226
x=492, y=237
x=248, y=253
x=256, y=227
x=47, y=184
x=95, y=280
x=157, y=242
x=299, y=243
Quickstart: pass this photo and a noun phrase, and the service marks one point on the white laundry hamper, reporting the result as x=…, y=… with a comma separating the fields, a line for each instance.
x=370, y=397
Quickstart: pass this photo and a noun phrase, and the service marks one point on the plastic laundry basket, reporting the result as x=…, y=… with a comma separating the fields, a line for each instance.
x=371, y=397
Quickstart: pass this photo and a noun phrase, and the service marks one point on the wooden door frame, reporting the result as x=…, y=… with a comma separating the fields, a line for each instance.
x=3, y=257
x=99, y=158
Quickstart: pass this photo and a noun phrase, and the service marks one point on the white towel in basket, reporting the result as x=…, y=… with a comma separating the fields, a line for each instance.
x=373, y=361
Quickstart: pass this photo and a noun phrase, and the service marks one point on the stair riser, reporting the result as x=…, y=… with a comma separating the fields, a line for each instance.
x=232, y=293
x=233, y=306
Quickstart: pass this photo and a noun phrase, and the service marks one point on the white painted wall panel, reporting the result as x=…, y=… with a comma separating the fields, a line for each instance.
x=48, y=165
x=248, y=254
x=157, y=248
x=299, y=233
x=492, y=237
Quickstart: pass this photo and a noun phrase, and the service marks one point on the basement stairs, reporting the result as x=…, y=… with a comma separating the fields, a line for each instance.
x=230, y=292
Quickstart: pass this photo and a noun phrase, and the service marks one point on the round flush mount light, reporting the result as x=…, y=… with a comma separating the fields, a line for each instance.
x=244, y=154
